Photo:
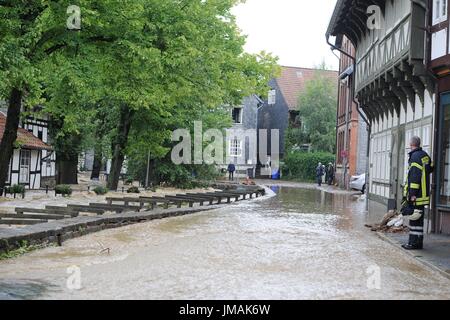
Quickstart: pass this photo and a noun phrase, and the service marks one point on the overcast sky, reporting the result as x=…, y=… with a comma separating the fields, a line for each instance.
x=293, y=30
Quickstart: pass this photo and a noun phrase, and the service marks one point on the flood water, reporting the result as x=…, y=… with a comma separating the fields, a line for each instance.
x=299, y=244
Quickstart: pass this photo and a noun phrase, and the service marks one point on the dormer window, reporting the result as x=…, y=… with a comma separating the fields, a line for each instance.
x=237, y=115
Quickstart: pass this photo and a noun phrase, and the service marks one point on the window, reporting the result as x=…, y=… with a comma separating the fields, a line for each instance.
x=235, y=148
x=9, y=172
x=272, y=97
x=24, y=166
x=439, y=11
x=237, y=115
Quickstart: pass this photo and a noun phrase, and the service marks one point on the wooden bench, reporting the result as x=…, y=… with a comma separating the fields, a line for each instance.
x=221, y=195
x=114, y=207
x=125, y=200
x=21, y=222
x=180, y=200
x=73, y=210
x=50, y=212
x=211, y=196
x=196, y=198
x=32, y=216
x=88, y=209
x=155, y=200
x=229, y=194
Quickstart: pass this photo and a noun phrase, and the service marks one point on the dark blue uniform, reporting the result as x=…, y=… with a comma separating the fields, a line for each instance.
x=319, y=174
x=418, y=186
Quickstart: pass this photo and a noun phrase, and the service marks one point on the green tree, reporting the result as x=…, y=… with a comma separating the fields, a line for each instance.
x=151, y=60
x=317, y=108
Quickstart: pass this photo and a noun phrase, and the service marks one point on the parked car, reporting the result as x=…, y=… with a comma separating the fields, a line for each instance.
x=358, y=183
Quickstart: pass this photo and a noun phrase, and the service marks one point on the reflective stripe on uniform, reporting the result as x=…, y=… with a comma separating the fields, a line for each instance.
x=416, y=228
x=418, y=166
x=423, y=200
x=416, y=233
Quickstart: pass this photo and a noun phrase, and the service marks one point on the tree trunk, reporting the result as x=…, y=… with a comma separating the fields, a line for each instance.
x=66, y=154
x=119, y=145
x=10, y=134
x=98, y=156
x=67, y=170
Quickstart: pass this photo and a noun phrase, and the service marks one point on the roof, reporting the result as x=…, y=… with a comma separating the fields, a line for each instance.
x=25, y=138
x=350, y=18
x=292, y=82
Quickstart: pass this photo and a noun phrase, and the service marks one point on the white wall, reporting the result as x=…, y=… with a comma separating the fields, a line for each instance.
x=418, y=122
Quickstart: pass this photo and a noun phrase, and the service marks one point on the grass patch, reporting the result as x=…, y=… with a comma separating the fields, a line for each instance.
x=24, y=248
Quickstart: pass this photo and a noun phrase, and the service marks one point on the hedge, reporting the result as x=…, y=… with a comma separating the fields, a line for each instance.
x=302, y=165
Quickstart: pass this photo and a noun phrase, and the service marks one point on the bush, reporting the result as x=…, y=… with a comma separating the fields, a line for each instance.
x=133, y=190
x=302, y=165
x=100, y=190
x=19, y=189
x=63, y=189
x=128, y=181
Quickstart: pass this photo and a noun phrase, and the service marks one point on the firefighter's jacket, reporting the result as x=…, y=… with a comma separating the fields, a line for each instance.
x=418, y=180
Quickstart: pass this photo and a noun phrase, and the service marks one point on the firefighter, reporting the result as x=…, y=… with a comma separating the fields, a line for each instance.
x=417, y=193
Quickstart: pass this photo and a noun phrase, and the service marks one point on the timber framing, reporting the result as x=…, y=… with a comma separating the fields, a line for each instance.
x=390, y=70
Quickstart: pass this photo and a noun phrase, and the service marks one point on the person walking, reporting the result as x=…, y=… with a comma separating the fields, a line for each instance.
x=330, y=172
x=319, y=173
x=416, y=193
x=231, y=170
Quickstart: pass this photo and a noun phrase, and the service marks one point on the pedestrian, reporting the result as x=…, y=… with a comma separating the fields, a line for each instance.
x=330, y=172
x=231, y=170
x=319, y=173
x=324, y=169
x=417, y=193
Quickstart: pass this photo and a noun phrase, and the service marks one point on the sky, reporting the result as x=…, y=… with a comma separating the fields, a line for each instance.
x=293, y=30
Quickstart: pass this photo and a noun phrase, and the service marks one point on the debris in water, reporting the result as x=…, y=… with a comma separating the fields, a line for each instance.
x=392, y=222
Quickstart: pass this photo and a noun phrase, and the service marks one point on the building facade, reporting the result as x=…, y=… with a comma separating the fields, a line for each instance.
x=241, y=138
x=280, y=110
x=28, y=165
x=39, y=127
x=351, y=129
x=392, y=84
x=439, y=64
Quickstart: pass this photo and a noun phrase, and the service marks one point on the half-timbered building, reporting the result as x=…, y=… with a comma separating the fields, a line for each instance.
x=28, y=165
x=439, y=64
x=393, y=86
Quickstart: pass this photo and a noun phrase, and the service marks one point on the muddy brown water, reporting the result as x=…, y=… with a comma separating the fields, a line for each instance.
x=299, y=244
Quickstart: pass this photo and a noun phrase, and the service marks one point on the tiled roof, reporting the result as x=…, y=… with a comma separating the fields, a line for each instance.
x=25, y=138
x=293, y=80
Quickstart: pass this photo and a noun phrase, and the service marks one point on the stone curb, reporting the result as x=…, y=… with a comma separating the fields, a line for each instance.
x=427, y=264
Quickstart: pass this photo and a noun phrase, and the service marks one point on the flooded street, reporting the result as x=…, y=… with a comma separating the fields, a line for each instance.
x=300, y=244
